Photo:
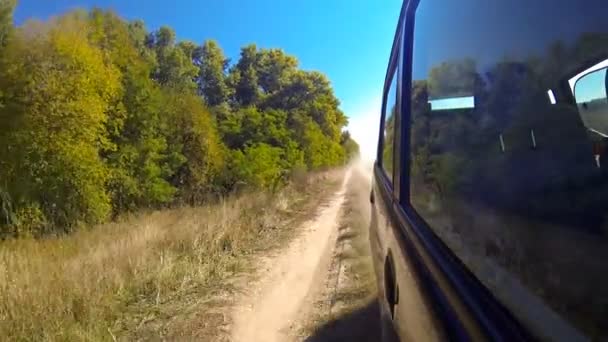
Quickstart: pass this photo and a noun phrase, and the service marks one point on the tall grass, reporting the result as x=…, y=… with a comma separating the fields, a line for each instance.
x=106, y=282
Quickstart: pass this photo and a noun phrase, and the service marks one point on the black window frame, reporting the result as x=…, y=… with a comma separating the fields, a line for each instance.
x=395, y=69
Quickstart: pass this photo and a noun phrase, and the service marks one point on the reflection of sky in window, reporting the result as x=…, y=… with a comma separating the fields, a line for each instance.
x=495, y=31
x=591, y=87
x=461, y=102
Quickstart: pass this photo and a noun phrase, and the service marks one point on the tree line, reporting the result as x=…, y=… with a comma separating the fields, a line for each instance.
x=99, y=116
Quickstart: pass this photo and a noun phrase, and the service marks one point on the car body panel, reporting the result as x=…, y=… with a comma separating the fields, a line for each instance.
x=411, y=306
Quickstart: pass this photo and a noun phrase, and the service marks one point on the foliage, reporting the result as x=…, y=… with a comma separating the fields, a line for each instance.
x=6, y=19
x=58, y=91
x=195, y=151
x=259, y=165
x=211, y=76
x=244, y=77
x=351, y=148
x=99, y=116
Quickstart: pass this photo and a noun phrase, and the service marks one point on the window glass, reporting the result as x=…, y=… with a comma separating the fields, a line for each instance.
x=390, y=116
x=507, y=148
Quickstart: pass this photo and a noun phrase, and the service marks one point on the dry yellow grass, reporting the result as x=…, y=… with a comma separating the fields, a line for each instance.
x=107, y=282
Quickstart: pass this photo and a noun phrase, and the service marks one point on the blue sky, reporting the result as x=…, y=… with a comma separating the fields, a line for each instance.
x=348, y=40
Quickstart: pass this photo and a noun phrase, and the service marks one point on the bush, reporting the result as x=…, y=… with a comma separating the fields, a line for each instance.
x=260, y=166
x=30, y=221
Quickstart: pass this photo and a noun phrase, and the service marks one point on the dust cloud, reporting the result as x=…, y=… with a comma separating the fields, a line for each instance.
x=364, y=126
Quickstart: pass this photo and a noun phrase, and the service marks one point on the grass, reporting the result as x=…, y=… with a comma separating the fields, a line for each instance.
x=154, y=275
x=352, y=313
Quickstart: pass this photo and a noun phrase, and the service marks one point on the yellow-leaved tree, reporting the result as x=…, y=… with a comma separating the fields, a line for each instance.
x=57, y=90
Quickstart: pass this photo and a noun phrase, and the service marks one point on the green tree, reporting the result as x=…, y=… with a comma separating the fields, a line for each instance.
x=195, y=150
x=174, y=64
x=188, y=47
x=7, y=7
x=164, y=39
x=274, y=68
x=350, y=146
x=175, y=69
x=138, y=33
x=211, y=75
x=244, y=78
x=259, y=165
x=319, y=150
x=250, y=125
x=138, y=174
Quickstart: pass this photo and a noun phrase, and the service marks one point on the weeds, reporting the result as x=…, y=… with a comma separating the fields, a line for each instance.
x=128, y=279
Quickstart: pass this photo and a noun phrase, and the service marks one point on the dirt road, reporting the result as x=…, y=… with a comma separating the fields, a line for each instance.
x=272, y=306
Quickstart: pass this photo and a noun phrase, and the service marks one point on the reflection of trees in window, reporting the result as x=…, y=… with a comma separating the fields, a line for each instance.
x=389, y=140
x=538, y=208
x=453, y=79
x=389, y=128
x=438, y=136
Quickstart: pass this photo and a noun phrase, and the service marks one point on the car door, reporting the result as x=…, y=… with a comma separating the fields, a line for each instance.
x=403, y=299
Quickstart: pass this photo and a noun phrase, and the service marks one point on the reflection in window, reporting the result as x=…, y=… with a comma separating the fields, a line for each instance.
x=590, y=94
x=390, y=111
x=551, y=96
x=461, y=102
x=572, y=81
x=513, y=182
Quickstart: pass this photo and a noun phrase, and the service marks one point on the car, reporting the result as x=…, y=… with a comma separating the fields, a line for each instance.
x=490, y=186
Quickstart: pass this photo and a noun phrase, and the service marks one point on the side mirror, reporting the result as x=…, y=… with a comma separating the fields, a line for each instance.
x=590, y=93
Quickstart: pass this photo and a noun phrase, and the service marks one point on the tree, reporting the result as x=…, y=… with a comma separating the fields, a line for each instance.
x=138, y=176
x=456, y=78
x=175, y=69
x=7, y=7
x=164, y=38
x=259, y=165
x=244, y=78
x=274, y=69
x=138, y=33
x=174, y=62
x=98, y=116
x=350, y=146
x=140, y=39
x=195, y=151
x=319, y=150
x=211, y=75
x=57, y=89
x=250, y=125
x=188, y=48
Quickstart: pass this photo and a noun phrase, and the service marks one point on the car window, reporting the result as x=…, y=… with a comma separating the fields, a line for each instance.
x=507, y=140
x=390, y=117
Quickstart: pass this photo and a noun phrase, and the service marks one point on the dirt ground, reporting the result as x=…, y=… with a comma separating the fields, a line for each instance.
x=308, y=289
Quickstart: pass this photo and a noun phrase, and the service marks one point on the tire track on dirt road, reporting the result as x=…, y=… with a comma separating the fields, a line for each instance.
x=271, y=306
